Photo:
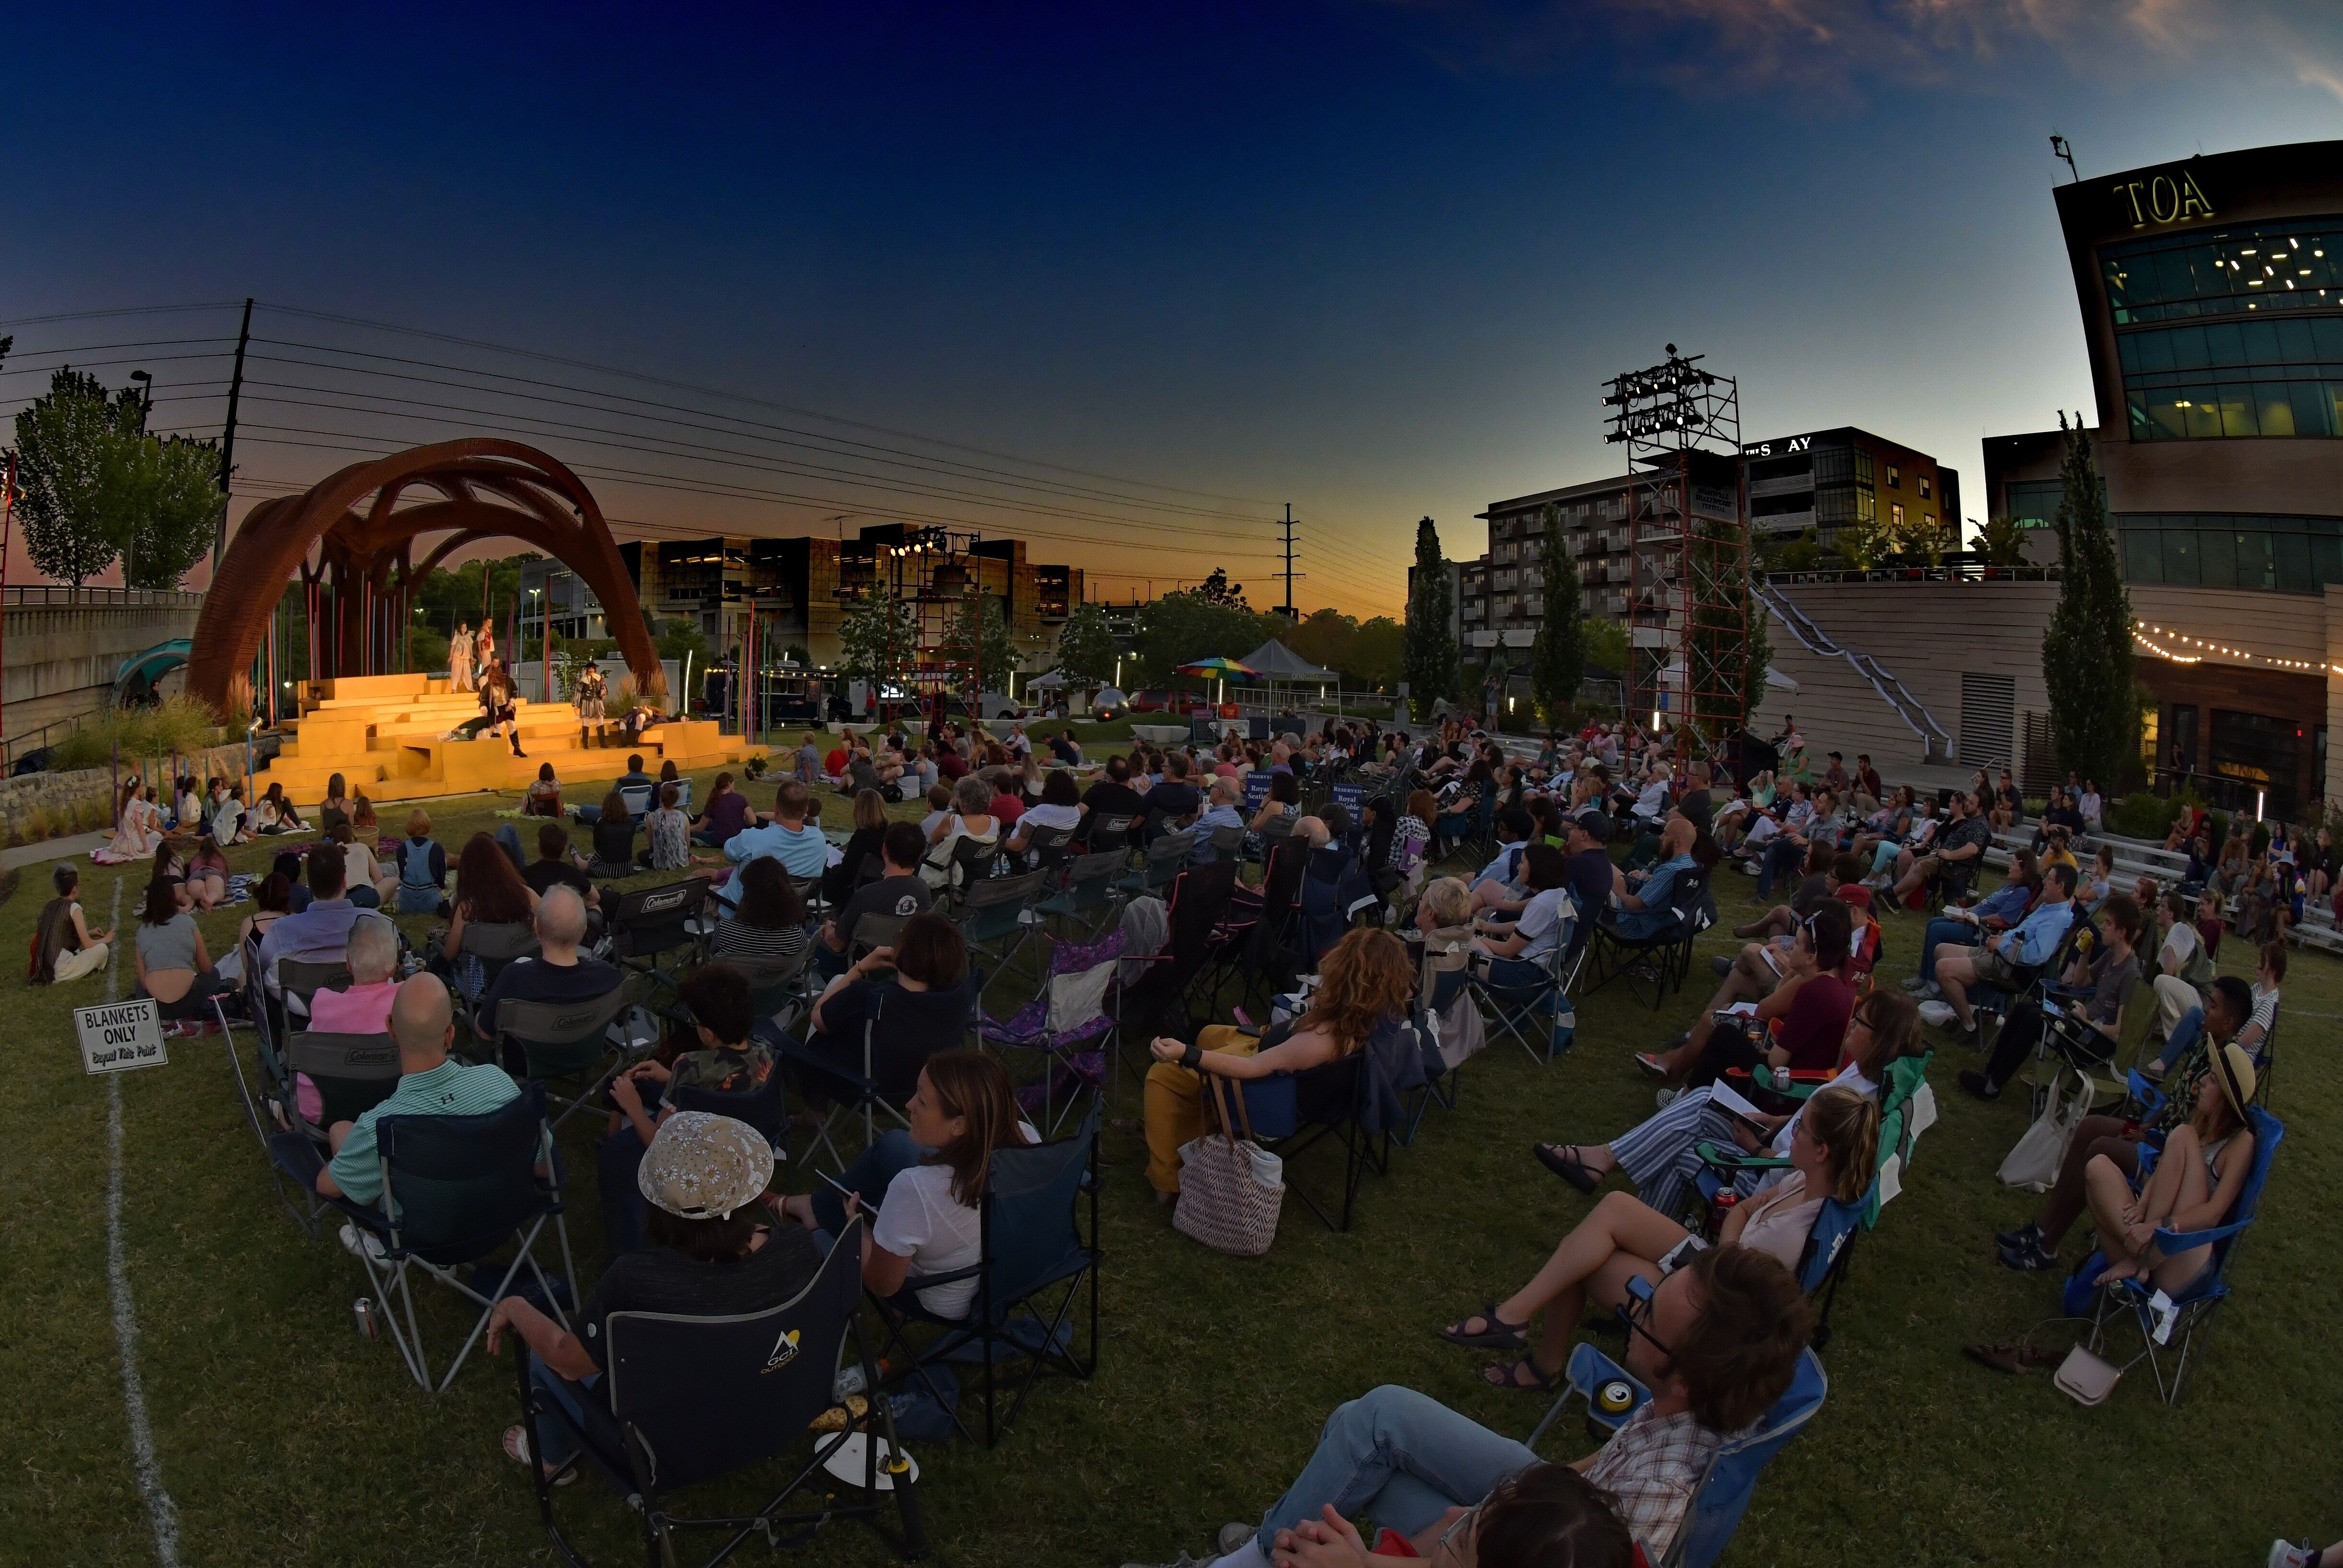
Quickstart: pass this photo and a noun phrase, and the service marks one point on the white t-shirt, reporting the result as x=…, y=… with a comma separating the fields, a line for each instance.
x=921, y=1219
x=2179, y=946
x=1543, y=919
x=1049, y=816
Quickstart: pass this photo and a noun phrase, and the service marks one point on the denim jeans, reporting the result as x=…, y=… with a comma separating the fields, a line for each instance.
x=2184, y=1035
x=1958, y=932
x=867, y=1178
x=557, y=1440
x=1783, y=856
x=1399, y=1456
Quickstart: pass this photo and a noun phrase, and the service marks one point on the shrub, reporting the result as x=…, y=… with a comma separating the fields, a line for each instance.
x=2142, y=815
x=180, y=726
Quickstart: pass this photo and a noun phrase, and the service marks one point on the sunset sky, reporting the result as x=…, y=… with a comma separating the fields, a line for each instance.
x=1160, y=270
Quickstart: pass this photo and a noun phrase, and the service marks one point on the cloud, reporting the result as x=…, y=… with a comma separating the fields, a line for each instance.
x=1847, y=51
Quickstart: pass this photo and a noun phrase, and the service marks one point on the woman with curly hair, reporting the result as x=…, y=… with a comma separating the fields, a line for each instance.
x=1364, y=983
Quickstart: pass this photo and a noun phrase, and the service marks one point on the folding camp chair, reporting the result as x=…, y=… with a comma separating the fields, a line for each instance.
x=1200, y=897
x=1723, y=1492
x=848, y=1091
x=494, y=948
x=1049, y=846
x=872, y=932
x=2191, y=1313
x=1226, y=840
x=1661, y=958
x=1088, y=889
x=1442, y=1083
x=1291, y=1113
x=1254, y=936
x=267, y=1067
x=687, y=1400
x=1033, y=1239
x=298, y=980
x=456, y=1189
x=776, y=990
x=1334, y=891
x=1109, y=832
x=996, y=916
x=648, y=921
x=764, y=1108
x=1067, y=1025
x=352, y=1074
x=1163, y=861
x=541, y=1041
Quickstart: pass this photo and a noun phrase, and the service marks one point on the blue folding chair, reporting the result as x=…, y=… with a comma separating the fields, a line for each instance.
x=1723, y=1492
x=1356, y=1099
x=1033, y=1238
x=1529, y=999
x=2193, y=1309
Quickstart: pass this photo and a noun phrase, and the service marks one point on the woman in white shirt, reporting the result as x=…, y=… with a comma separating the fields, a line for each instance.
x=1832, y=1153
x=927, y=1224
x=1059, y=807
x=970, y=820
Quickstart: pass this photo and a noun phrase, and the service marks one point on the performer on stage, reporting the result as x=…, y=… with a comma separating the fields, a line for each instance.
x=460, y=659
x=483, y=649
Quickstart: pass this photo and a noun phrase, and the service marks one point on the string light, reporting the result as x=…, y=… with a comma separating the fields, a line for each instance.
x=2308, y=666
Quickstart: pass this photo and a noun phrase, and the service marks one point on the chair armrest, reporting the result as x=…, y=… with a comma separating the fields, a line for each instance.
x=1735, y=1159
x=2173, y=1242
x=1790, y=1084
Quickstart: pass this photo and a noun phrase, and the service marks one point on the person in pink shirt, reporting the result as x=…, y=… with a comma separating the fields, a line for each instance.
x=363, y=1008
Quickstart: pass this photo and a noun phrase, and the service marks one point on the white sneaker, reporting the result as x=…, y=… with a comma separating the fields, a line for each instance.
x=353, y=1239
x=1668, y=1097
x=2284, y=1555
x=1233, y=1535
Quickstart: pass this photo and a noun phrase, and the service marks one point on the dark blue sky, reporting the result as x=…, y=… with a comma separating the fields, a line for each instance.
x=1373, y=259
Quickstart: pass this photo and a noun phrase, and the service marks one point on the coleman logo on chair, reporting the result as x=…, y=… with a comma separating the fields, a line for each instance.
x=660, y=903
x=785, y=1350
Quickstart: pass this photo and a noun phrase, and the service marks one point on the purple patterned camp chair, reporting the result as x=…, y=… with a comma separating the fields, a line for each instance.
x=1068, y=1023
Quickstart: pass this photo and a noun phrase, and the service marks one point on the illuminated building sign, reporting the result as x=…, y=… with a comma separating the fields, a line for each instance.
x=2162, y=199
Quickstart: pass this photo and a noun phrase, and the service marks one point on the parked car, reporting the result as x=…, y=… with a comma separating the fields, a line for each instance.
x=1174, y=702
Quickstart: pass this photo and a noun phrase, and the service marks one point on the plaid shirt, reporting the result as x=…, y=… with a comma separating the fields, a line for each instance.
x=1650, y=1466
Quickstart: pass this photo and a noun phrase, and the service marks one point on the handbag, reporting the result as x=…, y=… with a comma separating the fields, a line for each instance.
x=1231, y=1188
x=2033, y=1163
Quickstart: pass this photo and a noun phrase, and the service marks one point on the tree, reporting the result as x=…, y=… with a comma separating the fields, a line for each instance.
x=175, y=507
x=1606, y=646
x=1861, y=544
x=1217, y=589
x=2002, y=542
x=978, y=629
x=1182, y=628
x=1432, y=663
x=1558, y=653
x=1086, y=650
x=2086, y=651
x=1378, y=654
x=878, y=636
x=75, y=468
x=1758, y=646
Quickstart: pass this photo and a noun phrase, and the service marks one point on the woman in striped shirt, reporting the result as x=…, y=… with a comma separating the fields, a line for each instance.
x=769, y=926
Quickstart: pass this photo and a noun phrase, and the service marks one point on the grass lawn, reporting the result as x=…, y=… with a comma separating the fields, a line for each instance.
x=282, y=1436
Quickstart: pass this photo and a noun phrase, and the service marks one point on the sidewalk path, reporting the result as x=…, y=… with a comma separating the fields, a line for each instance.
x=49, y=849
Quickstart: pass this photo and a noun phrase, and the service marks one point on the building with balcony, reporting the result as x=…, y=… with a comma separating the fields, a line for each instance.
x=1503, y=594
x=1828, y=481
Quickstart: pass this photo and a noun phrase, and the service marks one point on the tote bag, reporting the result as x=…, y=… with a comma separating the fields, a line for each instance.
x=1231, y=1188
x=2033, y=1163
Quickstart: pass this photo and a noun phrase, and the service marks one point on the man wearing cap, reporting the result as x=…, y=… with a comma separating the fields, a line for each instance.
x=422, y=1021
x=704, y=1176
x=2034, y=1246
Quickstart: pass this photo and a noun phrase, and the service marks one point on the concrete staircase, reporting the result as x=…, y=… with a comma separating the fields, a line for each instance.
x=1825, y=689
x=386, y=736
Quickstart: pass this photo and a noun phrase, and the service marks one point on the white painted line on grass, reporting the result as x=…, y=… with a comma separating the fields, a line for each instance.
x=160, y=1511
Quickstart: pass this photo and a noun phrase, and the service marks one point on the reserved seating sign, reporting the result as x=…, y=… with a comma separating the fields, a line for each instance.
x=119, y=1035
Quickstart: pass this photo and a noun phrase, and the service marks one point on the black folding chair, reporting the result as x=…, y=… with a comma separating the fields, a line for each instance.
x=498, y=946
x=764, y=1108
x=1088, y=889
x=1109, y=832
x=1033, y=1239
x=1200, y=898
x=687, y=1400
x=353, y=1073
x=996, y=916
x=847, y=1089
x=568, y=1041
x=299, y=980
x=1293, y=1112
x=648, y=921
x=1660, y=959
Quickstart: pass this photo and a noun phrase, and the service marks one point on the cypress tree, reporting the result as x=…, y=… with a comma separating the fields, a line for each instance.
x=1433, y=668
x=2086, y=651
x=1558, y=655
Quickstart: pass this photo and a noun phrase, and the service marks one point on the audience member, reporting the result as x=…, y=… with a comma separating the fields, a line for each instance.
x=557, y=973
x=488, y=892
x=1998, y=960
x=727, y=813
x=768, y=927
x=64, y=947
x=927, y=1009
x=668, y=832
x=796, y=843
x=418, y=874
x=322, y=930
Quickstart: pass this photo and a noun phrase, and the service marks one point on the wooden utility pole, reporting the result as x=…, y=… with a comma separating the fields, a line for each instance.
x=227, y=435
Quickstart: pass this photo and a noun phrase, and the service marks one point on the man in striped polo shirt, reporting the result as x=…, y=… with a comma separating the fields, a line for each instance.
x=423, y=1022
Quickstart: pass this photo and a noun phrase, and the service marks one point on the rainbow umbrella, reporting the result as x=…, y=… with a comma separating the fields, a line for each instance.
x=1218, y=669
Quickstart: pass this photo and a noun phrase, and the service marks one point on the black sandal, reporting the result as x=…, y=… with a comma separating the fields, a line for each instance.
x=1558, y=1159
x=1508, y=1375
x=1500, y=1335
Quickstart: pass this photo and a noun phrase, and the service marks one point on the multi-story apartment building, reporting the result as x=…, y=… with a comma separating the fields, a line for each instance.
x=1503, y=595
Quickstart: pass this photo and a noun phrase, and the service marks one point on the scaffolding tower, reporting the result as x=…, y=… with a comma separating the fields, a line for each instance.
x=1688, y=545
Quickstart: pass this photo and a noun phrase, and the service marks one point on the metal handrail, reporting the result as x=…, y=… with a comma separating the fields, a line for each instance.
x=63, y=594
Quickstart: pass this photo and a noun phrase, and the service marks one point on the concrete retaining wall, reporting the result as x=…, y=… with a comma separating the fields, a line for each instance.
x=62, y=656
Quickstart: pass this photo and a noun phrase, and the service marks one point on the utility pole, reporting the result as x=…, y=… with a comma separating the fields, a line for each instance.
x=1289, y=560
x=228, y=438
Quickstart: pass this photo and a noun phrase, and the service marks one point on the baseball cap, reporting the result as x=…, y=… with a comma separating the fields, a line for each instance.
x=702, y=1166
x=1591, y=819
x=1855, y=893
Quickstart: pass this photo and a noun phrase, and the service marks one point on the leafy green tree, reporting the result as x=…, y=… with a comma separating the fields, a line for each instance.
x=878, y=636
x=2086, y=651
x=2002, y=542
x=1086, y=648
x=980, y=627
x=1558, y=654
x=1432, y=663
x=1606, y=646
x=1216, y=589
x=76, y=475
x=1182, y=628
x=1378, y=654
x=175, y=507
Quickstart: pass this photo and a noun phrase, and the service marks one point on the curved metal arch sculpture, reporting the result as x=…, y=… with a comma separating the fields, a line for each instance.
x=485, y=488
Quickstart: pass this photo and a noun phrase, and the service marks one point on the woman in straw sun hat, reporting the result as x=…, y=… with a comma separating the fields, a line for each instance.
x=2194, y=1186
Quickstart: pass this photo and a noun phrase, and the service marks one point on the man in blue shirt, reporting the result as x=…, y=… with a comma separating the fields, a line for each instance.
x=1648, y=909
x=422, y=1021
x=323, y=929
x=1222, y=813
x=2029, y=944
x=789, y=838
x=1997, y=911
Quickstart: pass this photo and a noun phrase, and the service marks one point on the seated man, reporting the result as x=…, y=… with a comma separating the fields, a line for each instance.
x=1172, y=802
x=1065, y=749
x=1959, y=847
x=1991, y=915
x=789, y=838
x=1221, y=813
x=1112, y=795
x=2252, y=1032
x=1997, y=961
x=1640, y=910
x=1716, y=1343
x=422, y=1021
x=898, y=893
x=555, y=867
x=320, y=931
x=556, y=974
x=634, y=778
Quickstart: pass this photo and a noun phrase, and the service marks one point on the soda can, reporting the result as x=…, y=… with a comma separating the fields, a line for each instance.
x=363, y=1310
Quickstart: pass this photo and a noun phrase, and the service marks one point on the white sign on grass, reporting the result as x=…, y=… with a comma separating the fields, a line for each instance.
x=119, y=1035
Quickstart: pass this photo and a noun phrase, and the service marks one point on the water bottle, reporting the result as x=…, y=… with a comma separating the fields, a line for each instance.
x=363, y=1310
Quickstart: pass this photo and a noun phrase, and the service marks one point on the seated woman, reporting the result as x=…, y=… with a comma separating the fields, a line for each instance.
x=869, y=817
x=1364, y=981
x=614, y=840
x=544, y=797
x=969, y=821
x=64, y=947
x=1059, y=806
x=2193, y=1187
x=706, y=1255
x=1833, y=1154
x=138, y=827
x=1661, y=1155
x=272, y=897
x=359, y=874
x=1826, y=869
x=173, y=968
x=273, y=813
x=1284, y=802
x=335, y=807
x=364, y=823
x=1545, y=923
x=206, y=874
x=667, y=832
x=926, y=1182
x=488, y=892
x=925, y=1010
x=769, y=926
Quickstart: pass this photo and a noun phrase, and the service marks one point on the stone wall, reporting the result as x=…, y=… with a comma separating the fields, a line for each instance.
x=62, y=653
x=53, y=805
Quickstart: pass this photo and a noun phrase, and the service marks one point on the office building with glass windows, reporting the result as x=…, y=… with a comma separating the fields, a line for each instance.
x=2211, y=294
x=1830, y=482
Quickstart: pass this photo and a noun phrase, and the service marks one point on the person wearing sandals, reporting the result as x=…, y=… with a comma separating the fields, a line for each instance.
x=1662, y=1155
x=1832, y=1152
x=704, y=1178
